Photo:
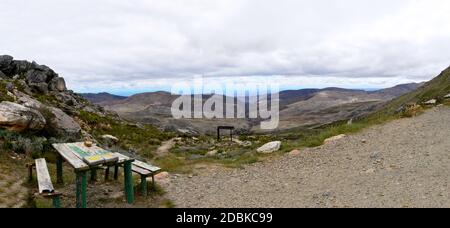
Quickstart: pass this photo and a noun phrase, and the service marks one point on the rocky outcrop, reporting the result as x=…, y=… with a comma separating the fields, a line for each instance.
x=18, y=118
x=39, y=78
x=269, y=147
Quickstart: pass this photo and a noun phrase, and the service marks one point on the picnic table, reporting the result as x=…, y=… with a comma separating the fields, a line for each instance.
x=84, y=159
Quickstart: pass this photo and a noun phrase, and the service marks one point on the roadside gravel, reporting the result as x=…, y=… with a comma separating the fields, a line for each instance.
x=404, y=163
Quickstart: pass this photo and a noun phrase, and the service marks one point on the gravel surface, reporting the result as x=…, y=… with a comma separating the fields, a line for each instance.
x=404, y=163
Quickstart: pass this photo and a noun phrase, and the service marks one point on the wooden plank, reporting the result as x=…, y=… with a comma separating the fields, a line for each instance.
x=146, y=166
x=70, y=157
x=123, y=158
x=141, y=171
x=43, y=177
x=92, y=156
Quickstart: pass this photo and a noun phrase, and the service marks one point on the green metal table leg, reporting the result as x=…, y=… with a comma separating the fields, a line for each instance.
x=59, y=170
x=81, y=189
x=57, y=202
x=144, y=185
x=129, y=192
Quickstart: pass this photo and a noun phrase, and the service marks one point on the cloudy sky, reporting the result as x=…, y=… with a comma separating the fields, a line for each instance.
x=142, y=45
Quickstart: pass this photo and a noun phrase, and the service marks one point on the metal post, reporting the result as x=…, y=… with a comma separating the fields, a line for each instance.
x=231, y=135
x=218, y=134
x=129, y=192
x=81, y=189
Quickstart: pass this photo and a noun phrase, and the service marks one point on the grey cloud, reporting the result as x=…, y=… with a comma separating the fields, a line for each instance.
x=99, y=43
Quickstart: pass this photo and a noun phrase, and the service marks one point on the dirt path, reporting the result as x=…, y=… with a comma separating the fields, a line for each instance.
x=12, y=192
x=165, y=147
x=405, y=163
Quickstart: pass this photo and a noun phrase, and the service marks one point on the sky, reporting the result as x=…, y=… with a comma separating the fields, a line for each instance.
x=126, y=47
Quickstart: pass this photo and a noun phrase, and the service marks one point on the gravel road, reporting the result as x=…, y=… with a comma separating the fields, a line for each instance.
x=404, y=163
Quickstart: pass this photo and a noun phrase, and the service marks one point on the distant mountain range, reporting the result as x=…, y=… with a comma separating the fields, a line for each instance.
x=303, y=108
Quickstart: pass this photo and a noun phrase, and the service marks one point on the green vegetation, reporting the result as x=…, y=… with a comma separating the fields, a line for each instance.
x=3, y=92
x=143, y=139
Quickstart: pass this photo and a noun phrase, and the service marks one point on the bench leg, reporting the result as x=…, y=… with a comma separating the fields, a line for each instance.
x=59, y=170
x=143, y=185
x=116, y=172
x=93, y=175
x=107, y=174
x=129, y=192
x=57, y=202
x=81, y=189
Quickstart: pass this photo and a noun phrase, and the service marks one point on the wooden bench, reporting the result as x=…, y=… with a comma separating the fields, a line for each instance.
x=145, y=170
x=45, y=185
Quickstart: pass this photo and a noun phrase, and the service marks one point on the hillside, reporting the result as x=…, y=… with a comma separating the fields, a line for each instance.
x=437, y=89
x=298, y=108
x=103, y=98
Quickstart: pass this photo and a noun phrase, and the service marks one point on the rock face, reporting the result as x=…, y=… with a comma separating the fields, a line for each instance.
x=57, y=84
x=18, y=118
x=269, y=147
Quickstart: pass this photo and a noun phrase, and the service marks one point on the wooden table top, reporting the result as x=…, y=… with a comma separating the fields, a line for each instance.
x=81, y=157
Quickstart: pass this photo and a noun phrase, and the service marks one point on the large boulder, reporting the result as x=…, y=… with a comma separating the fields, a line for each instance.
x=18, y=118
x=62, y=123
x=447, y=96
x=57, y=84
x=269, y=147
